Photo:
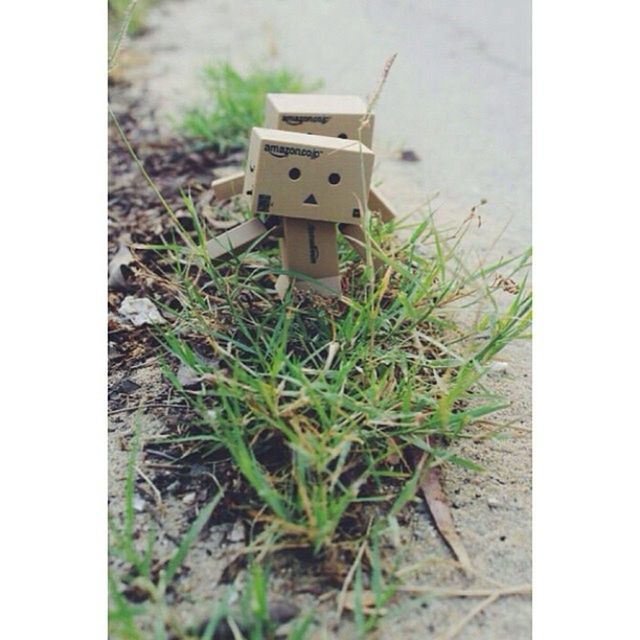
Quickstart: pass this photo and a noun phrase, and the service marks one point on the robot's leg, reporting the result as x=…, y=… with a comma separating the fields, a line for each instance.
x=309, y=248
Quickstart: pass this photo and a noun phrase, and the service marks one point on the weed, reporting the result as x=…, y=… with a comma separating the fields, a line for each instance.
x=236, y=103
x=317, y=402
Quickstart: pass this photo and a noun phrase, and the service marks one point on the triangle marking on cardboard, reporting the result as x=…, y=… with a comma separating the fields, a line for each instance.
x=310, y=199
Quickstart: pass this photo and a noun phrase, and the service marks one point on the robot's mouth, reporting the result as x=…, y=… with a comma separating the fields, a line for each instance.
x=310, y=199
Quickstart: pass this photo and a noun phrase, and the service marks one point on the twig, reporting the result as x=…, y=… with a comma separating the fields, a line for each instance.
x=146, y=406
x=439, y=592
x=454, y=630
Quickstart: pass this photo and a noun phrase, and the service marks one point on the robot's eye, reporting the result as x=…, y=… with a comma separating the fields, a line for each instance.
x=294, y=173
x=334, y=178
x=342, y=135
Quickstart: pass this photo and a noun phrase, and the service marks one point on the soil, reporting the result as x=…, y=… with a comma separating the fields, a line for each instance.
x=492, y=510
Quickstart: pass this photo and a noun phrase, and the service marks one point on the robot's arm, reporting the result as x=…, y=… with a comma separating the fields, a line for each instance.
x=235, y=240
x=354, y=234
x=229, y=186
x=377, y=203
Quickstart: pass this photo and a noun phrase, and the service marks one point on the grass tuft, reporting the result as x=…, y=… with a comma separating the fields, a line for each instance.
x=318, y=402
x=236, y=103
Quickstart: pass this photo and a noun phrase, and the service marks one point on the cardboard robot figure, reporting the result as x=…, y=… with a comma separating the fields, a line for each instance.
x=311, y=184
x=337, y=116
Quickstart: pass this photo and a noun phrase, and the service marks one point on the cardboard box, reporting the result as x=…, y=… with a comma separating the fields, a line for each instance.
x=307, y=176
x=236, y=239
x=323, y=115
x=310, y=248
x=229, y=186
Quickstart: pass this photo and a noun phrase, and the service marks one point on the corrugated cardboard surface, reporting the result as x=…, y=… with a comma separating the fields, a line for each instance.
x=229, y=186
x=309, y=247
x=325, y=115
x=236, y=239
x=378, y=204
x=292, y=175
x=324, y=286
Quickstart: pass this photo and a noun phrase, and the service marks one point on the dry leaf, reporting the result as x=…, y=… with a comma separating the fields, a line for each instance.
x=122, y=258
x=431, y=486
x=140, y=311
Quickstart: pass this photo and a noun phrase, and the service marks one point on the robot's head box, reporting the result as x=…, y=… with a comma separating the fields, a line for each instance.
x=306, y=176
x=321, y=115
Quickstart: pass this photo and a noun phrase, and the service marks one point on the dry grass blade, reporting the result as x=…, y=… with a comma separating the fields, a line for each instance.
x=342, y=596
x=156, y=493
x=331, y=354
x=123, y=29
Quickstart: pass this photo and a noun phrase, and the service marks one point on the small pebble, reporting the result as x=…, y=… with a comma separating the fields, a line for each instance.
x=409, y=155
x=138, y=503
x=237, y=533
x=189, y=498
x=283, y=610
x=498, y=367
x=494, y=503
